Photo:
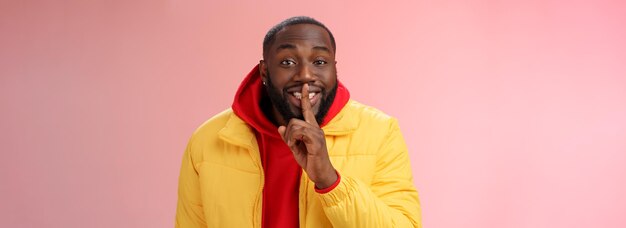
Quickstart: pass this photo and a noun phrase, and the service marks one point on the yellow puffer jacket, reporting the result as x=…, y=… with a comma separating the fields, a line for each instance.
x=221, y=179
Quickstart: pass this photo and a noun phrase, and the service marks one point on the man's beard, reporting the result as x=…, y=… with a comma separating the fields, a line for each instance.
x=281, y=104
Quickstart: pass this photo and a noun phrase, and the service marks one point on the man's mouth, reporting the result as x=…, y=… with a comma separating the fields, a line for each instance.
x=299, y=95
x=295, y=98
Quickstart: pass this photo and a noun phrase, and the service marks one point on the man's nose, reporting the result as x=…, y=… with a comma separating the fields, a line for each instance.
x=305, y=74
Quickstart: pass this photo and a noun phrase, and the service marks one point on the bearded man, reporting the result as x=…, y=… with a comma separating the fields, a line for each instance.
x=295, y=151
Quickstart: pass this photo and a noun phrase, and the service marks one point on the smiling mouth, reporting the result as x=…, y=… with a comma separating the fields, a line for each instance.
x=298, y=95
x=295, y=98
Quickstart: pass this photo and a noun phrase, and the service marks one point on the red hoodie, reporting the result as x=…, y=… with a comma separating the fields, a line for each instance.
x=282, y=173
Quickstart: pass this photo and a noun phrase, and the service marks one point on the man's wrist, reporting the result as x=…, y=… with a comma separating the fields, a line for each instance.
x=331, y=187
x=327, y=182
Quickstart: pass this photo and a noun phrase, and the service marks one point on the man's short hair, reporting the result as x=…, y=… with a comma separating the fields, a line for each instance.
x=270, y=37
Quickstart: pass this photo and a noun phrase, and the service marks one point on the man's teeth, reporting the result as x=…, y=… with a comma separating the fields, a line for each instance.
x=299, y=95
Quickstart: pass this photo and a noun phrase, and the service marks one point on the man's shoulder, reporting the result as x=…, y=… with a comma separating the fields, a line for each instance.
x=358, y=117
x=213, y=125
x=366, y=113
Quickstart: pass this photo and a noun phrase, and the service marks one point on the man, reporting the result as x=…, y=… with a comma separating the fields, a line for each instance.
x=294, y=150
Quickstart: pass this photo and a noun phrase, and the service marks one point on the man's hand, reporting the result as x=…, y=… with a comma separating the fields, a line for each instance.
x=306, y=141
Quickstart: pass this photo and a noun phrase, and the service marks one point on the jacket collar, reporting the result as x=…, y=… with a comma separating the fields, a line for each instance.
x=344, y=123
x=238, y=132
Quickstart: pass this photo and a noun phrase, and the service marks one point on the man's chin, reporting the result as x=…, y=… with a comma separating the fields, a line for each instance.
x=297, y=115
x=297, y=112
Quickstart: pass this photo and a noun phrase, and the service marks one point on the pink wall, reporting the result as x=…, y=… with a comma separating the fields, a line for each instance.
x=515, y=112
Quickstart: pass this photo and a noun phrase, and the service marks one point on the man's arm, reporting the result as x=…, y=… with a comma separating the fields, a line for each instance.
x=390, y=201
x=189, y=212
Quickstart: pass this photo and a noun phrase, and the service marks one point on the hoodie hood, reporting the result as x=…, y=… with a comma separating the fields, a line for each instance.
x=248, y=98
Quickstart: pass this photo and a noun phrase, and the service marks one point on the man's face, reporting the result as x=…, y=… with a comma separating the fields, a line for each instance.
x=300, y=54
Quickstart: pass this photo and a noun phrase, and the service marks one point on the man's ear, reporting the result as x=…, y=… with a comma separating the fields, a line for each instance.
x=262, y=70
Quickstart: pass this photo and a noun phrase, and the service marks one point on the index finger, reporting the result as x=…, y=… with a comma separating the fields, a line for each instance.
x=305, y=102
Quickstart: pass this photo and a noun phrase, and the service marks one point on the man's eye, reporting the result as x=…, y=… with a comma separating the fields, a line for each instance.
x=287, y=62
x=319, y=62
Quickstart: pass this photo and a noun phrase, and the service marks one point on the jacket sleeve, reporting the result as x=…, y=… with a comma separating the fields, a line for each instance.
x=189, y=212
x=390, y=201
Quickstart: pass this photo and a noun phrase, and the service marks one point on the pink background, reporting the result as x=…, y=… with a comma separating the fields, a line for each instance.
x=514, y=111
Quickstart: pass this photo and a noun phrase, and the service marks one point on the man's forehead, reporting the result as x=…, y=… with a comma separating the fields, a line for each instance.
x=314, y=34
